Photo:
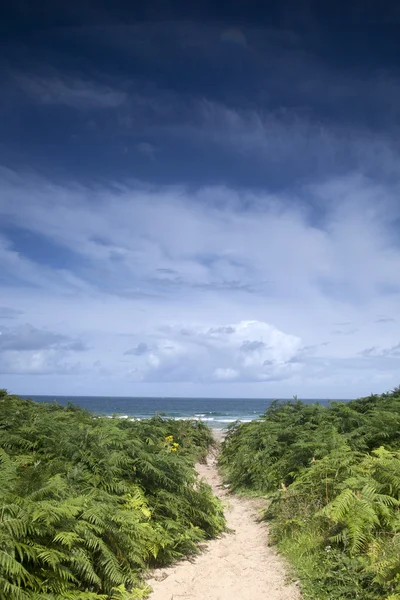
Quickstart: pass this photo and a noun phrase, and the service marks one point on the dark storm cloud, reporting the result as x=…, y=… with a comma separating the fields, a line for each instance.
x=289, y=94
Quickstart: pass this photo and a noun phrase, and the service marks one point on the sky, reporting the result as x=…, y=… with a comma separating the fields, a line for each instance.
x=200, y=200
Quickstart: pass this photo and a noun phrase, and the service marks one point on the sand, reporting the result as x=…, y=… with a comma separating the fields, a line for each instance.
x=237, y=566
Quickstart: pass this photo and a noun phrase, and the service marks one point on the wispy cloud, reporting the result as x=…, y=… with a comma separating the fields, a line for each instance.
x=68, y=91
x=385, y=320
x=146, y=149
x=344, y=332
x=226, y=238
x=376, y=351
x=6, y=312
x=26, y=337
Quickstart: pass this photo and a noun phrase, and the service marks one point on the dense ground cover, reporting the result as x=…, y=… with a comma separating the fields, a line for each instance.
x=88, y=503
x=333, y=478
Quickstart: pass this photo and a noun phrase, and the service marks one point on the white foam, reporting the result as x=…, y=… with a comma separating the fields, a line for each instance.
x=117, y=416
x=215, y=421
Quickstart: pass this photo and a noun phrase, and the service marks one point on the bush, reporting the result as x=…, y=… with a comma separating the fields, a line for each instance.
x=89, y=503
x=333, y=478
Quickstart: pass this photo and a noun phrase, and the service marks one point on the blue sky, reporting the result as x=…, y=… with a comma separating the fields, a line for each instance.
x=200, y=201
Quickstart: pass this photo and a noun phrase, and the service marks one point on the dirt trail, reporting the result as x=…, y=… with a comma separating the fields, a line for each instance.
x=236, y=566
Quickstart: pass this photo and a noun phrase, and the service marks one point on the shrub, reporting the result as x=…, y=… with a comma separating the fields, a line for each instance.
x=89, y=503
x=333, y=478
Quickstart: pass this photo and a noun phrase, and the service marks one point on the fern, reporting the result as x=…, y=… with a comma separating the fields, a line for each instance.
x=88, y=504
x=333, y=478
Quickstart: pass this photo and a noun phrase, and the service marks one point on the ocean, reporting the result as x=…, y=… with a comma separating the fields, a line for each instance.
x=217, y=412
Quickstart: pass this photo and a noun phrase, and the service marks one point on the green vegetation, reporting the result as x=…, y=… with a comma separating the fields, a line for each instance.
x=88, y=503
x=333, y=478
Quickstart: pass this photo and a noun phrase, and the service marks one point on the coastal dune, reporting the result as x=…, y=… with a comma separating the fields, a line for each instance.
x=239, y=565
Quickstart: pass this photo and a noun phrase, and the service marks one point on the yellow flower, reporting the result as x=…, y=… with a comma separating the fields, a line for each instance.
x=175, y=445
x=173, y=449
x=169, y=438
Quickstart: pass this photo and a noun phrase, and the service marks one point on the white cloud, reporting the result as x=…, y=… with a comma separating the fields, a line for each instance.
x=40, y=362
x=245, y=351
x=199, y=291
x=225, y=374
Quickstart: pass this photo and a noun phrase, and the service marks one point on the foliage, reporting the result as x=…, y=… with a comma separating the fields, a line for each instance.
x=333, y=478
x=89, y=503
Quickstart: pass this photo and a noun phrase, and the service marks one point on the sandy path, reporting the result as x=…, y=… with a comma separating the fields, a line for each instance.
x=236, y=566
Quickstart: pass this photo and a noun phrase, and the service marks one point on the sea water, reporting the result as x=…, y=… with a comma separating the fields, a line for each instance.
x=217, y=412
